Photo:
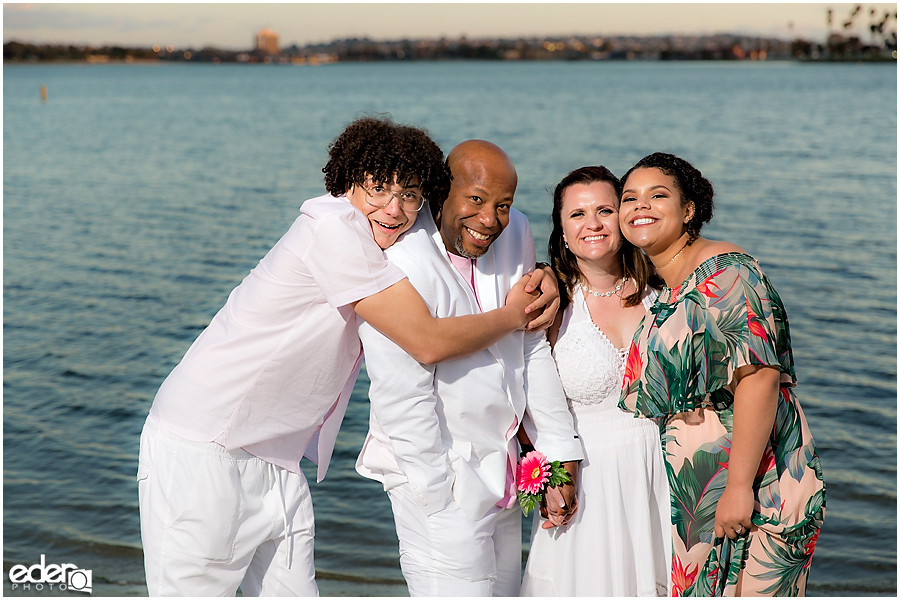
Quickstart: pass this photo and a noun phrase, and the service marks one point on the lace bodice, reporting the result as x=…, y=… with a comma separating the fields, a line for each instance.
x=590, y=367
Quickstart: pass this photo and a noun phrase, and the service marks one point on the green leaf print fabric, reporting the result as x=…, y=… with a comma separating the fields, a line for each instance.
x=680, y=368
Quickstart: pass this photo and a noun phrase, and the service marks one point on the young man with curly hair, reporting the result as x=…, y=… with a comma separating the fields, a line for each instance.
x=223, y=501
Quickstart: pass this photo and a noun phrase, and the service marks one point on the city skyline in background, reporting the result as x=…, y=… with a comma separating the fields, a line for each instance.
x=234, y=26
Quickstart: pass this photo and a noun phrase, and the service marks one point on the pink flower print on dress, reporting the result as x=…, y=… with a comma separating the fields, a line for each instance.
x=632, y=366
x=708, y=287
x=809, y=547
x=683, y=576
x=767, y=463
x=753, y=322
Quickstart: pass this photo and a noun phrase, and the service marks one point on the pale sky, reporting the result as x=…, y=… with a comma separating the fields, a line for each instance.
x=232, y=26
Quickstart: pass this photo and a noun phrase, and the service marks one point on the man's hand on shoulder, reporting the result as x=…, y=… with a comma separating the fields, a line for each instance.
x=541, y=283
x=525, y=302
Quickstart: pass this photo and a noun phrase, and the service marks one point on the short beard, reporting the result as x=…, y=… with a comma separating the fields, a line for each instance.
x=460, y=249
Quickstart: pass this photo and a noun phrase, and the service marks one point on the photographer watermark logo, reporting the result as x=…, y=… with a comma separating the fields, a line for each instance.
x=42, y=576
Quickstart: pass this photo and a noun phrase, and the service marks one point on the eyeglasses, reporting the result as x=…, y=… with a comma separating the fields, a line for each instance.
x=379, y=197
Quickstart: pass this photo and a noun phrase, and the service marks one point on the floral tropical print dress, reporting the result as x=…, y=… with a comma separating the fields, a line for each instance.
x=680, y=367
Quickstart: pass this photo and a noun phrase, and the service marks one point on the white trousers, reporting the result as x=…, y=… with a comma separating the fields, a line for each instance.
x=448, y=554
x=214, y=520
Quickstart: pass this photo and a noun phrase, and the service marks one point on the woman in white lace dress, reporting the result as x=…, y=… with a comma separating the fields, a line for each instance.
x=617, y=542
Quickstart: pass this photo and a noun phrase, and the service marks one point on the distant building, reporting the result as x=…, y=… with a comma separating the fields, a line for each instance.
x=267, y=41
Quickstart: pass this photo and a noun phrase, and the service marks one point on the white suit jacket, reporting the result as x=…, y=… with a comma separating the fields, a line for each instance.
x=444, y=429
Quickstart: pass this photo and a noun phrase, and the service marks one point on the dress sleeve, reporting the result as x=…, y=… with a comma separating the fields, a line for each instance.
x=737, y=319
x=345, y=261
x=686, y=351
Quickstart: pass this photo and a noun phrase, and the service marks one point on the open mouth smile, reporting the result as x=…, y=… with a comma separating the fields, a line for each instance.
x=643, y=221
x=390, y=227
x=481, y=237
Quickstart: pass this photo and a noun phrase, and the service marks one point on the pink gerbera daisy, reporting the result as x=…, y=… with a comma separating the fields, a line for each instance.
x=534, y=471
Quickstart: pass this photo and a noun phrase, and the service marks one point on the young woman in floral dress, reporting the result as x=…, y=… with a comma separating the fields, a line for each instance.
x=713, y=360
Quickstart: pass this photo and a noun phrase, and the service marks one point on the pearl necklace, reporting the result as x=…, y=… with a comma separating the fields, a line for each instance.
x=588, y=289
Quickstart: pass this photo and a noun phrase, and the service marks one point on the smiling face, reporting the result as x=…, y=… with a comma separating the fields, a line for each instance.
x=389, y=221
x=651, y=214
x=481, y=193
x=590, y=221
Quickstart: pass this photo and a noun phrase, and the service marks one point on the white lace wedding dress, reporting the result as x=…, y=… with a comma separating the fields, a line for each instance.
x=618, y=543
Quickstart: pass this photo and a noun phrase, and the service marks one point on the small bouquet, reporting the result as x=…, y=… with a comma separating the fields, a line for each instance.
x=535, y=474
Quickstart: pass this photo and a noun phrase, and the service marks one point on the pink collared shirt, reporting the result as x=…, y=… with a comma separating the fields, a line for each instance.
x=466, y=268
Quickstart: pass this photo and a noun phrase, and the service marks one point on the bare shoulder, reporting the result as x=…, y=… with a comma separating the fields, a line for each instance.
x=710, y=248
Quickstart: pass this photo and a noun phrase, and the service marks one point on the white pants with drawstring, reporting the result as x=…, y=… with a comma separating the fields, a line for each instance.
x=214, y=520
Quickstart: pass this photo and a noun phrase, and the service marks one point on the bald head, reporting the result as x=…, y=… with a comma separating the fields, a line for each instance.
x=483, y=183
x=474, y=158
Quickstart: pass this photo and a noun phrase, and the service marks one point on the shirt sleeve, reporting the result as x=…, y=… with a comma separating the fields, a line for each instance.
x=345, y=261
x=547, y=419
x=529, y=257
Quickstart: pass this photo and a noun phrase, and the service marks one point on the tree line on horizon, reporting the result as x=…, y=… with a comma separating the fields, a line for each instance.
x=722, y=47
x=841, y=44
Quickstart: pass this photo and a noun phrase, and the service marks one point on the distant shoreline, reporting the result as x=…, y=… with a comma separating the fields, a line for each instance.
x=158, y=63
x=718, y=47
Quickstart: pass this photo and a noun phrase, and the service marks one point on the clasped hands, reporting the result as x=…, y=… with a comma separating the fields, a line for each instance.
x=560, y=503
x=537, y=293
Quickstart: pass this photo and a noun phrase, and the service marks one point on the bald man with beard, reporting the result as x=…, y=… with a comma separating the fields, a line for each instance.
x=442, y=438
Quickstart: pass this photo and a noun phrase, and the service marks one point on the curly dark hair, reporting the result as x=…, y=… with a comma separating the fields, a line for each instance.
x=379, y=147
x=562, y=260
x=691, y=184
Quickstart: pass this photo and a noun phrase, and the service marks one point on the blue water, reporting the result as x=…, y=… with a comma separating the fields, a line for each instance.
x=137, y=197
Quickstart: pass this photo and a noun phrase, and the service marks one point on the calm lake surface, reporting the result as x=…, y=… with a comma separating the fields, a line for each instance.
x=137, y=197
